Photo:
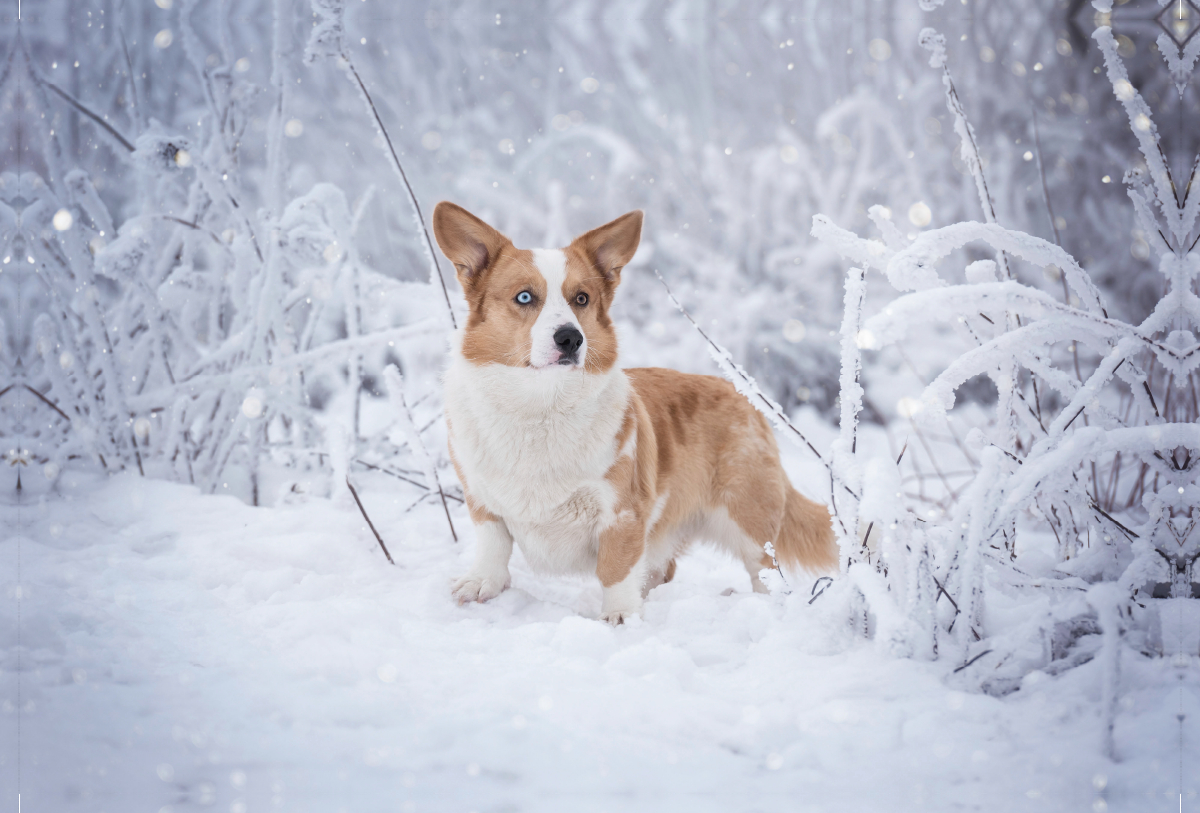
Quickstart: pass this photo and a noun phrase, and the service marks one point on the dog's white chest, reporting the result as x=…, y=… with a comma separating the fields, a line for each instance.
x=534, y=448
x=567, y=541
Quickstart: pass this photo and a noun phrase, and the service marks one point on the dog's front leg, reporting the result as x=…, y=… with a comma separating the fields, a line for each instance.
x=488, y=576
x=621, y=566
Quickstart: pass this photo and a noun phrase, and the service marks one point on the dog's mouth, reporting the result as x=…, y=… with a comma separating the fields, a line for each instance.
x=567, y=361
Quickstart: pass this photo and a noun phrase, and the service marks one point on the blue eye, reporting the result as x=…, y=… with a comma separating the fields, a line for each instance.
x=524, y=298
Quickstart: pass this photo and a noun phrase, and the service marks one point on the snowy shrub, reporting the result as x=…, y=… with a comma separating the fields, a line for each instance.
x=219, y=299
x=241, y=266
x=225, y=329
x=1079, y=512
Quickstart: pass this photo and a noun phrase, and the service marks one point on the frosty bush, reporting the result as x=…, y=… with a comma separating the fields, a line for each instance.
x=221, y=332
x=1081, y=501
x=220, y=296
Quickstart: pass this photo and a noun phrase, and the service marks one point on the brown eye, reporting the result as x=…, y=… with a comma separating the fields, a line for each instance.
x=581, y=299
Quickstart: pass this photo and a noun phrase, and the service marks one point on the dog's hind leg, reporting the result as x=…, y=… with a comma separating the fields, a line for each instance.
x=750, y=515
x=755, y=582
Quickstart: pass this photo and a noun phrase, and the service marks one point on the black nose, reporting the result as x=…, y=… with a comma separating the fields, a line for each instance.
x=568, y=339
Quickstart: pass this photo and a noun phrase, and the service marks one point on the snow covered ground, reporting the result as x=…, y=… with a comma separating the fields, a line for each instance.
x=165, y=650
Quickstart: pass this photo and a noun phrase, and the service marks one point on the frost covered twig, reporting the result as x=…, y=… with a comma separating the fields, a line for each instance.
x=845, y=447
x=1178, y=217
x=935, y=43
x=1105, y=412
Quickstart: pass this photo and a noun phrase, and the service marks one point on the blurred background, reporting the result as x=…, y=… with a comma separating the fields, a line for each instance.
x=177, y=134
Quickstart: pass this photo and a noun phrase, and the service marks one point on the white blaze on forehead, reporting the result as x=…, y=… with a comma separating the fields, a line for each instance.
x=553, y=265
x=556, y=310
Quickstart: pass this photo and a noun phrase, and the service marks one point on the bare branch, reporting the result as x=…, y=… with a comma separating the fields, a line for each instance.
x=358, y=502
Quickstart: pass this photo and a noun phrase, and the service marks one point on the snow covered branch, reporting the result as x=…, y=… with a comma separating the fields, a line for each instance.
x=1055, y=435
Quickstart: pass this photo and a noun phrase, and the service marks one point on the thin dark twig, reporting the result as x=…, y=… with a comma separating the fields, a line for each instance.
x=441, y=493
x=133, y=91
x=416, y=502
x=137, y=453
x=968, y=663
x=817, y=594
x=929, y=453
x=85, y=111
x=943, y=591
x=399, y=476
x=381, y=469
x=412, y=197
x=1110, y=518
x=1073, y=417
x=44, y=400
x=358, y=502
x=1150, y=395
x=1037, y=146
x=770, y=549
x=216, y=238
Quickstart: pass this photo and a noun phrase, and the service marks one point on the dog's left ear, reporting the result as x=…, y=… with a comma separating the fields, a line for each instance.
x=612, y=245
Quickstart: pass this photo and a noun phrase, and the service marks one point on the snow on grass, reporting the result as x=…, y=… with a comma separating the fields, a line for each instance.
x=180, y=651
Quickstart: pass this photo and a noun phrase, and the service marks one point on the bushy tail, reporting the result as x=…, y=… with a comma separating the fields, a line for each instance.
x=806, y=538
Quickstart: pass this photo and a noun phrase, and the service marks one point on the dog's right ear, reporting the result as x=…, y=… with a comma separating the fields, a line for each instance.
x=467, y=241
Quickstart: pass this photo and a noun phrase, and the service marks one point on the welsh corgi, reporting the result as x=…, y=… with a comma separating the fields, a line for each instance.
x=588, y=467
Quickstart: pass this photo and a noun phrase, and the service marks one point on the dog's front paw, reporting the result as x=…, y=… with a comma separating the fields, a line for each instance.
x=618, y=617
x=474, y=587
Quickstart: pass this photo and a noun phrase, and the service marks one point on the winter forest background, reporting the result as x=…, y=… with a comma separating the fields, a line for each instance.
x=949, y=247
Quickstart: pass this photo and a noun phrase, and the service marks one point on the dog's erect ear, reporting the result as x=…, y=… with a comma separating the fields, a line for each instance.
x=467, y=241
x=612, y=245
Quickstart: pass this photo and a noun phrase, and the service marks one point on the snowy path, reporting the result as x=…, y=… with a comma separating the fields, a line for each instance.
x=186, y=652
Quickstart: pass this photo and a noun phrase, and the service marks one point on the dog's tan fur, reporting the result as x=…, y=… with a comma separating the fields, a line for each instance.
x=692, y=458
